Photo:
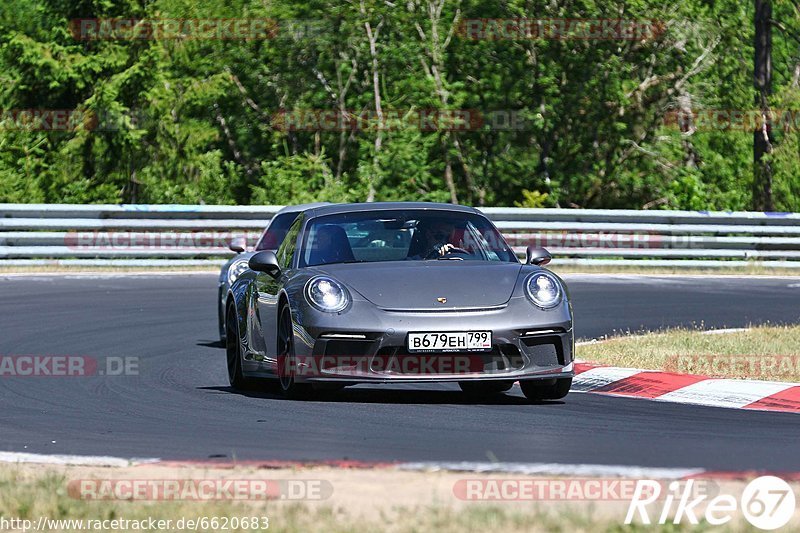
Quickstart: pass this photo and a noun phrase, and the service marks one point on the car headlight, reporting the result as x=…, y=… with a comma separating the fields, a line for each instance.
x=327, y=294
x=543, y=289
x=236, y=269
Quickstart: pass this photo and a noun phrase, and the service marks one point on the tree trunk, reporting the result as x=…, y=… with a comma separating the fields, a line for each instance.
x=372, y=36
x=762, y=136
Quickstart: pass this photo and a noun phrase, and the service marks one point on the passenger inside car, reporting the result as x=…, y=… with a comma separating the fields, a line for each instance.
x=330, y=245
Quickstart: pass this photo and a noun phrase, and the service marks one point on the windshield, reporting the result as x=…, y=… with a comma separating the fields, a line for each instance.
x=421, y=235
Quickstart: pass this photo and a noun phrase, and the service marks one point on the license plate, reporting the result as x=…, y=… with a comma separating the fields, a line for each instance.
x=450, y=341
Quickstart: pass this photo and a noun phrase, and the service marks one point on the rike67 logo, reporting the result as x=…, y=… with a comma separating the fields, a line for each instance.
x=767, y=502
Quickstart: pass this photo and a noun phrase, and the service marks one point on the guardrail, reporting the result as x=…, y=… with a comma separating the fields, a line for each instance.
x=191, y=235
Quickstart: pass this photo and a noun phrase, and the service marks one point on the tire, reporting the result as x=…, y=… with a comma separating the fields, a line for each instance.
x=286, y=360
x=223, y=334
x=233, y=352
x=485, y=388
x=536, y=390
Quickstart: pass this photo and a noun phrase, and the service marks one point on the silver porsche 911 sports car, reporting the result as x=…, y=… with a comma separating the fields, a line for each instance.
x=399, y=292
x=270, y=240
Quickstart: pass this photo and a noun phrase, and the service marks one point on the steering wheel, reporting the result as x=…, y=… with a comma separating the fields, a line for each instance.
x=435, y=251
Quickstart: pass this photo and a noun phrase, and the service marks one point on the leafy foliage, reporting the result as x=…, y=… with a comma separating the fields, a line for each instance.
x=552, y=122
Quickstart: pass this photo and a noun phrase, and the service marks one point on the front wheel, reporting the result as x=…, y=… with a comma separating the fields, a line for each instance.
x=233, y=352
x=538, y=390
x=287, y=364
x=223, y=333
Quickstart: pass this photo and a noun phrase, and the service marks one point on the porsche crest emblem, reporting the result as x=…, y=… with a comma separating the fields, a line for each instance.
x=441, y=300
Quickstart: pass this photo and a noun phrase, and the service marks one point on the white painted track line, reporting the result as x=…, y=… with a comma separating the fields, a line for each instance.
x=555, y=469
x=72, y=460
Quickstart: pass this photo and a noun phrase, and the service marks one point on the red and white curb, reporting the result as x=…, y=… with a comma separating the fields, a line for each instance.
x=687, y=388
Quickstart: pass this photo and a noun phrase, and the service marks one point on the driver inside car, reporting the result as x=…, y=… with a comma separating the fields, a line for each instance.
x=434, y=239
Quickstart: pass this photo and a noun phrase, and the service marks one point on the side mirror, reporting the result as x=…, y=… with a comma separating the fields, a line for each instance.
x=537, y=256
x=265, y=261
x=238, y=244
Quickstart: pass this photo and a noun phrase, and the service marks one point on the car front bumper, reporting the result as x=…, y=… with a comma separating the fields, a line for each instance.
x=367, y=344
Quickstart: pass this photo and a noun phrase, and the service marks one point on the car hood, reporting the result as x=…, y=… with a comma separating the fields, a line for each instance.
x=416, y=285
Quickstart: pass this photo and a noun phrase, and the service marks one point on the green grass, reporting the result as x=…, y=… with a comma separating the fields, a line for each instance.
x=29, y=494
x=767, y=352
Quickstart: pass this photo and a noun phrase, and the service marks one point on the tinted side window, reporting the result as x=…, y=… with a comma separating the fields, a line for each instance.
x=275, y=232
x=286, y=250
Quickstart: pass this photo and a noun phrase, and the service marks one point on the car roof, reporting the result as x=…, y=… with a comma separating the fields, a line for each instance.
x=335, y=209
x=300, y=207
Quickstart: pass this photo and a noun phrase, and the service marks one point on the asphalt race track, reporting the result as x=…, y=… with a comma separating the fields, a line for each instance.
x=179, y=405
